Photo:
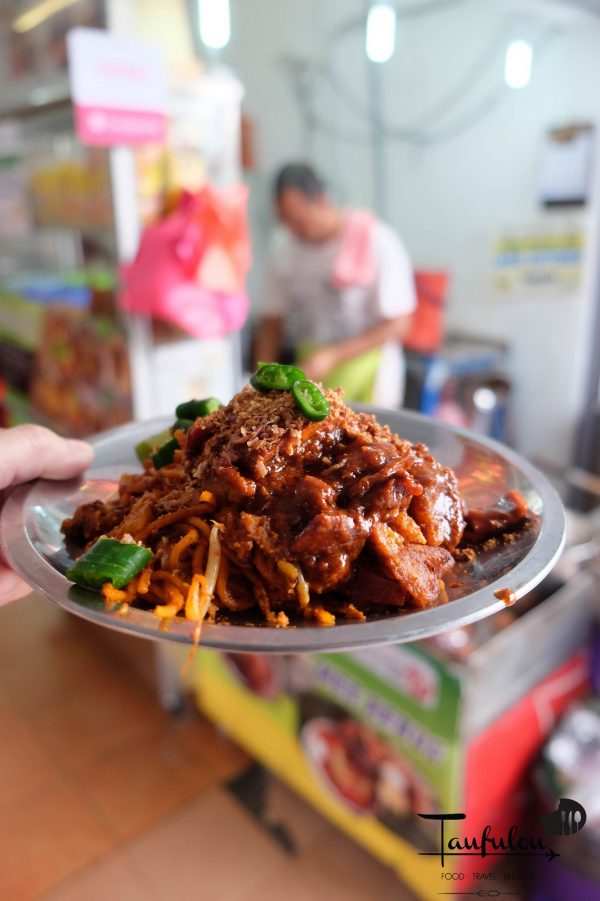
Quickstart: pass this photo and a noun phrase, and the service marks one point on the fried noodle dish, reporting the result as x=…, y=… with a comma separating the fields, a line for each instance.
x=265, y=516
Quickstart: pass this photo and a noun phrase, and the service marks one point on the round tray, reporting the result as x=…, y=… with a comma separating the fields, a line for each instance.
x=31, y=541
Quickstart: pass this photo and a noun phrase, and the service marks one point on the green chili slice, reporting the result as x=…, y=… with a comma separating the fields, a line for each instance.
x=275, y=377
x=310, y=400
x=192, y=409
x=109, y=560
x=164, y=455
x=183, y=424
x=150, y=445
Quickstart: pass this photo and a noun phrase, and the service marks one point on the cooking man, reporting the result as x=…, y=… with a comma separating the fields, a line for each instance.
x=343, y=280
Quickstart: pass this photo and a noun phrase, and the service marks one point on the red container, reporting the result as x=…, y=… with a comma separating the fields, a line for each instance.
x=427, y=329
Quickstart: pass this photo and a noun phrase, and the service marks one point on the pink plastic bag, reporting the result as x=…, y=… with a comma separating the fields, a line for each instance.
x=191, y=267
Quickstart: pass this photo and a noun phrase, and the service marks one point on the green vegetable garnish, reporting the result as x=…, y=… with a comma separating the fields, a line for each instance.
x=192, y=409
x=164, y=455
x=310, y=400
x=109, y=560
x=183, y=424
x=147, y=447
x=276, y=377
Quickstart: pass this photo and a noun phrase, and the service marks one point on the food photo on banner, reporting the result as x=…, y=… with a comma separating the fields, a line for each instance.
x=299, y=450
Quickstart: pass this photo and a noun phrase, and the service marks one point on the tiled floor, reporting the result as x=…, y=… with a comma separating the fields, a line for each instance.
x=105, y=797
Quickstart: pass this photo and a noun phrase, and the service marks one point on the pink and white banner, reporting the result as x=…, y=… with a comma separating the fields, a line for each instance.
x=107, y=127
x=118, y=87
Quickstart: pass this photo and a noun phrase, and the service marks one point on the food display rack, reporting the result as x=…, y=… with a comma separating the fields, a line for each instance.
x=73, y=205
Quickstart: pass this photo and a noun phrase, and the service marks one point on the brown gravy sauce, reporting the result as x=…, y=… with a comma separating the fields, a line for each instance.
x=507, y=596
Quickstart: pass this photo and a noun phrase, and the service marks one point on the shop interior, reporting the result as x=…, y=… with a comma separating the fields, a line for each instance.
x=470, y=128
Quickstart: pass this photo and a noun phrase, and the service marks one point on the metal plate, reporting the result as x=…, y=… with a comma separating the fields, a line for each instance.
x=31, y=541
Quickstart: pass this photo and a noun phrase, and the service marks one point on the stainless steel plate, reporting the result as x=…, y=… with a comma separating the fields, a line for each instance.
x=31, y=541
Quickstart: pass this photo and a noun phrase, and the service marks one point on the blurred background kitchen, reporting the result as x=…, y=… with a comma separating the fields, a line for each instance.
x=471, y=129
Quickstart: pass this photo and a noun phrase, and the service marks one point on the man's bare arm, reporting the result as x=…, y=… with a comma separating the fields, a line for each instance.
x=267, y=343
x=323, y=360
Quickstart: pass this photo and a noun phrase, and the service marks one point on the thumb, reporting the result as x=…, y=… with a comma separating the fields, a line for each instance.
x=31, y=451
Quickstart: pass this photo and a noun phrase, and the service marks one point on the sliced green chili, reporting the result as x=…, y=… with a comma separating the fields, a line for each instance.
x=164, y=455
x=109, y=560
x=276, y=377
x=147, y=447
x=310, y=400
x=192, y=409
x=183, y=424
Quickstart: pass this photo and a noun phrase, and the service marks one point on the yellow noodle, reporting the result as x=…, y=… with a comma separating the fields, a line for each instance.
x=192, y=601
x=144, y=579
x=177, y=550
x=168, y=519
x=221, y=585
x=113, y=595
x=288, y=569
x=198, y=558
x=167, y=611
x=200, y=524
x=322, y=617
x=163, y=574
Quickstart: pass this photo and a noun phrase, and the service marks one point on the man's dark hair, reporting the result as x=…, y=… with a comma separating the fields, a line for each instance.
x=301, y=177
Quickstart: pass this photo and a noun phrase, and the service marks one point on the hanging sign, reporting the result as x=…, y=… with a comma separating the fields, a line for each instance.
x=119, y=89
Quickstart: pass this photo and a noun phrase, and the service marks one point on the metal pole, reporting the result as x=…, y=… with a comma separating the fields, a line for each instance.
x=120, y=17
x=138, y=328
x=378, y=155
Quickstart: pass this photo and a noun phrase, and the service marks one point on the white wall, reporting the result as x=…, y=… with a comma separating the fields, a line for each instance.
x=448, y=200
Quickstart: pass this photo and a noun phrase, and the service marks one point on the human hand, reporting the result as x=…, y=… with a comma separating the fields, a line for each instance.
x=30, y=452
x=319, y=363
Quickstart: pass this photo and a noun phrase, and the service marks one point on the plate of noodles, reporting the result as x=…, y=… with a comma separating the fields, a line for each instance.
x=287, y=521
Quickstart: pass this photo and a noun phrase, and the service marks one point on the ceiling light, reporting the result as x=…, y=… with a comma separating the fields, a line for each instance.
x=215, y=23
x=39, y=13
x=518, y=64
x=381, y=32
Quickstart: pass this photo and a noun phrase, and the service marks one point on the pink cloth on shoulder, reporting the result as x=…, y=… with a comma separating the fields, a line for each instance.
x=356, y=263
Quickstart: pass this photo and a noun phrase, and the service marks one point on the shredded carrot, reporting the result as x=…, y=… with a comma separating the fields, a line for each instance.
x=179, y=435
x=207, y=497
